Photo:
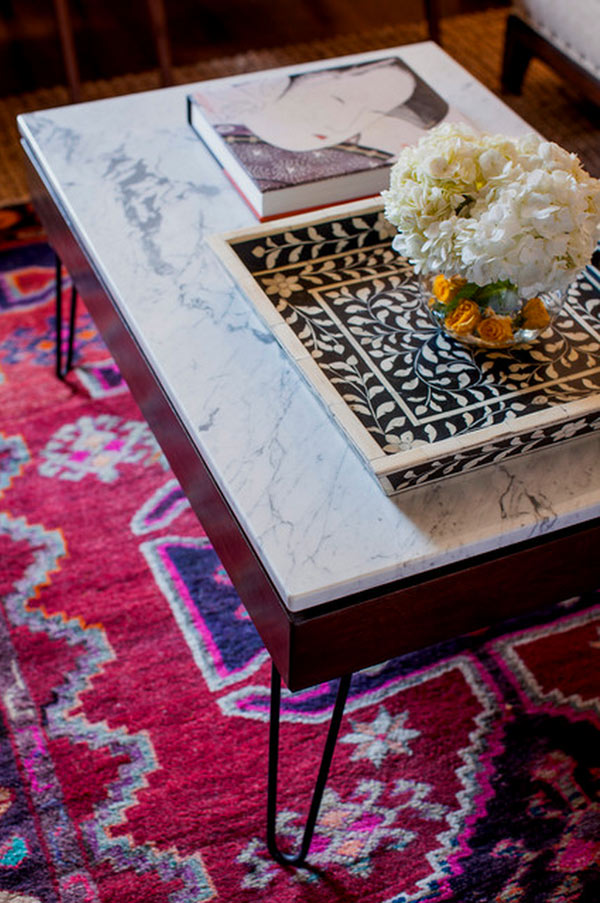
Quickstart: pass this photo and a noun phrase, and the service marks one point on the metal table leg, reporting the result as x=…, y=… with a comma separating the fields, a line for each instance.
x=60, y=372
x=334, y=726
x=71, y=339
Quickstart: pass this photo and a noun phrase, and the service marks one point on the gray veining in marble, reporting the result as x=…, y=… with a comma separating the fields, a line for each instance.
x=143, y=195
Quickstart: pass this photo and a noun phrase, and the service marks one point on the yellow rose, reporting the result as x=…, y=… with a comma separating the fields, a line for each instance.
x=495, y=330
x=535, y=314
x=464, y=318
x=445, y=289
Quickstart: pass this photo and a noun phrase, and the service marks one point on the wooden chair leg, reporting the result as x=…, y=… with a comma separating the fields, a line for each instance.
x=517, y=56
x=67, y=43
x=158, y=21
x=432, y=14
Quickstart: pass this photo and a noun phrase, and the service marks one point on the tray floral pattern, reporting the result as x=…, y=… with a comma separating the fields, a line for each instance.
x=418, y=404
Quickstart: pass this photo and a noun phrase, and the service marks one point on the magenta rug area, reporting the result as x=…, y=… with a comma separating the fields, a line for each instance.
x=134, y=690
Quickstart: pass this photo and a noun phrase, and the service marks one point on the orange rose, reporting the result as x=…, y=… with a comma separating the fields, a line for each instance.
x=535, y=314
x=445, y=289
x=495, y=330
x=464, y=318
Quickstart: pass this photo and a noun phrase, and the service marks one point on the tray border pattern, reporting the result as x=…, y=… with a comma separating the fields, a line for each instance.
x=402, y=470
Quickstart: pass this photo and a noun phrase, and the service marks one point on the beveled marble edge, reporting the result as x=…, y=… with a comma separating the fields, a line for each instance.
x=143, y=197
x=477, y=546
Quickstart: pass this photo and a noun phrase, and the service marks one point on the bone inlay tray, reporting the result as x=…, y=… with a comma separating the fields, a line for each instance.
x=418, y=405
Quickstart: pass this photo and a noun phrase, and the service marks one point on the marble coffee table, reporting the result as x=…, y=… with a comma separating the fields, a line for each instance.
x=335, y=575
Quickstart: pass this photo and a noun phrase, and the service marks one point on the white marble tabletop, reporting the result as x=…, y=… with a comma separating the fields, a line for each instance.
x=143, y=195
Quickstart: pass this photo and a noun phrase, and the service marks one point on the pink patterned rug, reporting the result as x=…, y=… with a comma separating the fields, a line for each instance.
x=134, y=690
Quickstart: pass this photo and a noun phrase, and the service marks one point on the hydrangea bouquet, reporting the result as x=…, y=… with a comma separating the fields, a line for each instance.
x=504, y=224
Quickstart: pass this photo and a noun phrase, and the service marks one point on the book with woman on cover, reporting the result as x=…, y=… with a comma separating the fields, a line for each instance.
x=319, y=136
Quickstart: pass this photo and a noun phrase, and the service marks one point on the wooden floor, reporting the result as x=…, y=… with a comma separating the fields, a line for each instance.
x=113, y=37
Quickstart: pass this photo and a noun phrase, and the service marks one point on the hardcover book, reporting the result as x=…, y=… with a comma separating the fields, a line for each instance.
x=326, y=134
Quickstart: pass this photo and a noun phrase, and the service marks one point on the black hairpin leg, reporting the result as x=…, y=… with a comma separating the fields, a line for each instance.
x=334, y=726
x=60, y=371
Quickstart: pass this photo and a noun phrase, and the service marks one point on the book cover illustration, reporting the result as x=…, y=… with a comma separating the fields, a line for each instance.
x=289, y=130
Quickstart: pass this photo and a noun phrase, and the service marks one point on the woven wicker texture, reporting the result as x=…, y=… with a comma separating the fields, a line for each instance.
x=475, y=40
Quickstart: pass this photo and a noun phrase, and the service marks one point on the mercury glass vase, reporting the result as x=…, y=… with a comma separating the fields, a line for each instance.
x=489, y=316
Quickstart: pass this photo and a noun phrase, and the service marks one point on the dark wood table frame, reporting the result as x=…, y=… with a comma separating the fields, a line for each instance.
x=335, y=639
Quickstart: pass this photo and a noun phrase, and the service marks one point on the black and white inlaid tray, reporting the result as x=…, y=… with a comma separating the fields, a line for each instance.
x=417, y=404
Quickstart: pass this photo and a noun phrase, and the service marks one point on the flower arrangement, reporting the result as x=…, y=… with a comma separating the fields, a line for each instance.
x=501, y=219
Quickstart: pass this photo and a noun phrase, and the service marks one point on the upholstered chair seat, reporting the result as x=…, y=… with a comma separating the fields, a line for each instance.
x=564, y=33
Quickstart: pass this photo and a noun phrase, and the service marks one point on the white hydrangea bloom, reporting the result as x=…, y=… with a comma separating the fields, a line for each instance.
x=488, y=207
